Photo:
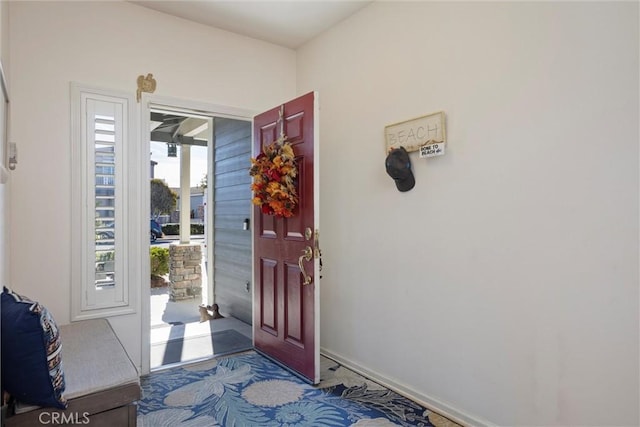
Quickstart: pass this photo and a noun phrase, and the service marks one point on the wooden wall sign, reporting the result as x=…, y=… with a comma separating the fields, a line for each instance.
x=413, y=134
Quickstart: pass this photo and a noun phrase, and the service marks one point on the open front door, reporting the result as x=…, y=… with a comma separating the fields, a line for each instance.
x=286, y=310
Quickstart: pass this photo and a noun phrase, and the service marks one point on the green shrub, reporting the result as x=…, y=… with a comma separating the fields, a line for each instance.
x=159, y=261
x=171, y=229
x=105, y=256
x=174, y=229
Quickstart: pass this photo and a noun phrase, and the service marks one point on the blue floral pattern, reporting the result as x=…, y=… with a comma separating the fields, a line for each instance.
x=250, y=390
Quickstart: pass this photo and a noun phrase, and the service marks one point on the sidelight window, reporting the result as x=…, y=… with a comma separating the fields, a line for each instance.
x=102, y=132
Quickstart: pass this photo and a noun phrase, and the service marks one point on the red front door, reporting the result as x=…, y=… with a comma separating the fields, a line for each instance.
x=286, y=310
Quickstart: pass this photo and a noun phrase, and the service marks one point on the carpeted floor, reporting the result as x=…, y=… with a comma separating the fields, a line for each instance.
x=249, y=390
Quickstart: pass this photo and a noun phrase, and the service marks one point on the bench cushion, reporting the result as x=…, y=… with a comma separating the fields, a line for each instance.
x=94, y=359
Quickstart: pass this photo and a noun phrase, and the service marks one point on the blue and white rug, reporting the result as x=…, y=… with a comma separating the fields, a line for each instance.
x=250, y=390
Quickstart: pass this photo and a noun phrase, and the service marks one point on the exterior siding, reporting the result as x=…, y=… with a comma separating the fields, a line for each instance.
x=232, y=205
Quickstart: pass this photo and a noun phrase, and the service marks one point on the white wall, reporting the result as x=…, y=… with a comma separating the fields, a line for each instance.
x=504, y=286
x=107, y=44
x=5, y=187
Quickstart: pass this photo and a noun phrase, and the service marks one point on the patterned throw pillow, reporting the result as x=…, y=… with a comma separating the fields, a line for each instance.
x=31, y=352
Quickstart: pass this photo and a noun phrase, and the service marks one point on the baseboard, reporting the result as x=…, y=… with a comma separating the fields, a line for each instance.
x=454, y=414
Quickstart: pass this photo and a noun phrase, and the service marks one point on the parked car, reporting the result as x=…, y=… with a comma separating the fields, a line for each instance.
x=156, y=230
x=104, y=232
x=104, y=235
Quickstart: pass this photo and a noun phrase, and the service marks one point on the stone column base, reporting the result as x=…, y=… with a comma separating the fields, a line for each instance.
x=185, y=272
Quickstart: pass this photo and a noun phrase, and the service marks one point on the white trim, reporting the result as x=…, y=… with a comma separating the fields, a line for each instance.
x=178, y=105
x=252, y=222
x=181, y=106
x=210, y=226
x=4, y=175
x=3, y=83
x=316, y=226
x=446, y=410
x=144, y=177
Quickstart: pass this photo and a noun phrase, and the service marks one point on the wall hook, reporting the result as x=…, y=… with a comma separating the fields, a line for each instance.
x=13, y=156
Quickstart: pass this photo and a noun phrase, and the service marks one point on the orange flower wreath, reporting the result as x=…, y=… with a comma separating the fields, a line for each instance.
x=273, y=173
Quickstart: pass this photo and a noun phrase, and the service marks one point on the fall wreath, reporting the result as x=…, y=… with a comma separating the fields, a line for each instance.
x=273, y=172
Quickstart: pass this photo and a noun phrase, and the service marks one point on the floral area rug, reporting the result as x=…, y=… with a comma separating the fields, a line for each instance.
x=250, y=390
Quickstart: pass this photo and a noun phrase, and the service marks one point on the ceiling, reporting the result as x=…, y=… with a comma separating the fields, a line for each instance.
x=178, y=129
x=289, y=23
x=286, y=23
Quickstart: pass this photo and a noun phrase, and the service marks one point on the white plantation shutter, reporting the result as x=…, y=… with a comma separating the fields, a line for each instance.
x=102, y=129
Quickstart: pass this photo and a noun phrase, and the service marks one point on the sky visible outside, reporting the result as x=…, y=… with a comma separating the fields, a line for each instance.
x=168, y=168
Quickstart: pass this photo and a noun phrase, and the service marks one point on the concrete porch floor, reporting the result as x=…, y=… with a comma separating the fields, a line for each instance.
x=180, y=320
x=166, y=313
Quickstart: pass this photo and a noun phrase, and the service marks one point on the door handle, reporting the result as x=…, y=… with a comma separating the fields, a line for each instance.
x=307, y=255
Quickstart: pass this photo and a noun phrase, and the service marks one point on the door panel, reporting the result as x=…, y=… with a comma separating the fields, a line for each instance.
x=295, y=125
x=288, y=330
x=268, y=133
x=269, y=296
x=267, y=226
x=294, y=226
x=293, y=306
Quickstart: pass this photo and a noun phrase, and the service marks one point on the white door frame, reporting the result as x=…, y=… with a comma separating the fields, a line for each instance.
x=149, y=102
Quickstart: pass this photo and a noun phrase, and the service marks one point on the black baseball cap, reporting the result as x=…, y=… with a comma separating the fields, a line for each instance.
x=399, y=168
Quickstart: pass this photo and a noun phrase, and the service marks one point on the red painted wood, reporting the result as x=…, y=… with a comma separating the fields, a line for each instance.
x=284, y=317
